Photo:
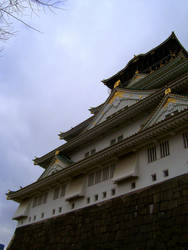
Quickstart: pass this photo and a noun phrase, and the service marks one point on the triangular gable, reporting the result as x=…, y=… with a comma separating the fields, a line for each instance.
x=58, y=163
x=118, y=99
x=170, y=105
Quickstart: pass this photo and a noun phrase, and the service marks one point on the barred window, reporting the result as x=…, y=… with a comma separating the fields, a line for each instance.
x=101, y=175
x=63, y=188
x=105, y=173
x=185, y=139
x=98, y=177
x=35, y=202
x=56, y=193
x=152, y=155
x=91, y=179
x=45, y=196
x=112, y=168
x=164, y=148
x=39, y=200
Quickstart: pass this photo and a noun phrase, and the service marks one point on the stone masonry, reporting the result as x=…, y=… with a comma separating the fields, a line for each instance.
x=152, y=218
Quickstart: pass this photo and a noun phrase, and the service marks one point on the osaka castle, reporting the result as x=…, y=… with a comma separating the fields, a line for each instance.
x=137, y=138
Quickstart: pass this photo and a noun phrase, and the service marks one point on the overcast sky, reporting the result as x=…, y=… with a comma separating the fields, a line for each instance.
x=49, y=80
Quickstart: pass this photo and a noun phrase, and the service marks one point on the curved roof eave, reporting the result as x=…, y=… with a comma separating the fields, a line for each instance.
x=136, y=58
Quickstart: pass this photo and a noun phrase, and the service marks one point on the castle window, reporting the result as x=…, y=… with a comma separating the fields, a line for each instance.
x=73, y=205
x=93, y=151
x=88, y=200
x=63, y=188
x=120, y=138
x=35, y=202
x=113, y=141
x=91, y=179
x=42, y=215
x=98, y=177
x=104, y=194
x=60, y=209
x=86, y=154
x=133, y=185
x=29, y=218
x=34, y=218
x=113, y=192
x=152, y=155
x=154, y=177
x=185, y=140
x=53, y=211
x=164, y=148
x=166, y=173
x=44, y=199
x=101, y=175
x=56, y=193
x=39, y=200
x=96, y=197
x=105, y=173
x=112, y=168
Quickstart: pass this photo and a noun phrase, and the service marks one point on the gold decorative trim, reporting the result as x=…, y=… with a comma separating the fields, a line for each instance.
x=117, y=83
x=167, y=91
x=170, y=100
x=118, y=94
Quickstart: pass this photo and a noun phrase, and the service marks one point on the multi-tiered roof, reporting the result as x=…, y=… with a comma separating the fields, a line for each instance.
x=158, y=73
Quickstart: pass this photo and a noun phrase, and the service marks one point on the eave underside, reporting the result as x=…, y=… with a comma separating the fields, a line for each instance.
x=132, y=143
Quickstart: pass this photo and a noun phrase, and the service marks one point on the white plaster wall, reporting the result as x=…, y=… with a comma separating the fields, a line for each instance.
x=127, y=129
x=176, y=163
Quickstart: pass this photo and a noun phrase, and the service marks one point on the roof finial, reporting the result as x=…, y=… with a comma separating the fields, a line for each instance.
x=167, y=91
x=117, y=83
x=57, y=152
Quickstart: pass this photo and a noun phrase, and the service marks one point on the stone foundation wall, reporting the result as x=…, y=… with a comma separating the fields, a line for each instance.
x=152, y=218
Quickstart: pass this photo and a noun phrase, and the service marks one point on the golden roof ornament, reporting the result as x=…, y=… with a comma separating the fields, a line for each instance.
x=117, y=83
x=57, y=152
x=167, y=91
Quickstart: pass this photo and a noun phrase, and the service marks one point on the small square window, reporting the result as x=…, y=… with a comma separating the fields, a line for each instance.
x=42, y=215
x=86, y=154
x=154, y=177
x=96, y=197
x=166, y=173
x=113, y=141
x=120, y=138
x=133, y=185
x=53, y=211
x=104, y=194
x=93, y=151
x=73, y=205
x=113, y=191
x=88, y=200
x=60, y=209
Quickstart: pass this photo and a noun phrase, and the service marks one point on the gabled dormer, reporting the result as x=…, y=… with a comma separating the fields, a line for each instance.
x=170, y=105
x=118, y=99
x=59, y=162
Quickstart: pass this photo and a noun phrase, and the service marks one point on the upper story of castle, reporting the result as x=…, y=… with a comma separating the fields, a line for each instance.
x=147, y=104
